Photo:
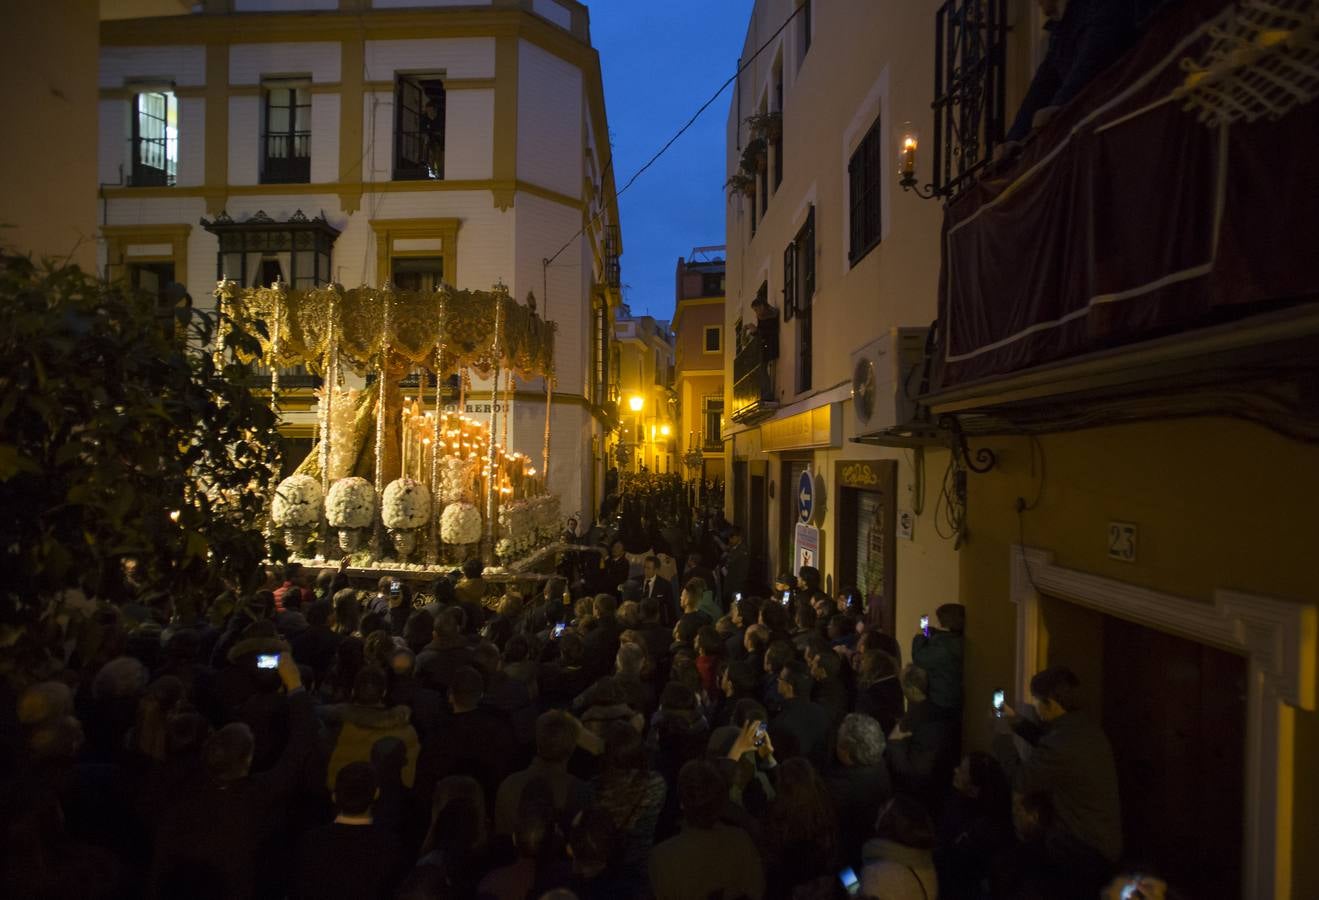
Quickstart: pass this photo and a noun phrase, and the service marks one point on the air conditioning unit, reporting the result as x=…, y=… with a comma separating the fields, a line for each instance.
x=886, y=375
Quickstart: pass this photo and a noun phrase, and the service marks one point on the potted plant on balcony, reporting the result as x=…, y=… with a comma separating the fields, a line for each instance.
x=766, y=126
x=741, y=183
x=755, y=156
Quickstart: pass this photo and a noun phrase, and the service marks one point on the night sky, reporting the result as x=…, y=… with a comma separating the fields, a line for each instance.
x=661, y=61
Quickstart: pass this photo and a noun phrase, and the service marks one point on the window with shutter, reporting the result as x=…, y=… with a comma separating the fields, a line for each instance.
x=789, y=281
x=865, y=179
x=805, y=244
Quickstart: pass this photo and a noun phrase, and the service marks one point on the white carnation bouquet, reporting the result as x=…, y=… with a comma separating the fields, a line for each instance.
x=351, y=503
x=460, y=524
x=297, y=502
x=406, y=505
x=457, y=479
x=547, y=521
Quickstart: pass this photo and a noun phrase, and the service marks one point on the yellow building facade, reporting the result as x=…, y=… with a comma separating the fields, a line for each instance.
x=643, y=366
x=698, y=374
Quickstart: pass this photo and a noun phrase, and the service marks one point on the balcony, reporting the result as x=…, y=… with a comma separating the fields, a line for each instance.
x=1156, y=211
x=287, y=158
x=753, y=385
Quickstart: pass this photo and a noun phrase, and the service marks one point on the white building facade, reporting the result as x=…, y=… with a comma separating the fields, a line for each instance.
x=848, y=263
x=300, y=130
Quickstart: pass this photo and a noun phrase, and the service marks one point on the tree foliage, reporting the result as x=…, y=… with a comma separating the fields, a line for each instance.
x=122, y=447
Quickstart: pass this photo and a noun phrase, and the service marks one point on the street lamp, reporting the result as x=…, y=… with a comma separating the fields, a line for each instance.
x=907, y=145
x=635, y=402
x=665, y=430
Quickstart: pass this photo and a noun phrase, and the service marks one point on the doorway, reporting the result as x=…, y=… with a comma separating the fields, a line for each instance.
x=1175, y=712
x=758, y=525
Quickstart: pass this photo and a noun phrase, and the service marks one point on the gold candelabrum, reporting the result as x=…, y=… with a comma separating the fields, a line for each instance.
x=462, y=437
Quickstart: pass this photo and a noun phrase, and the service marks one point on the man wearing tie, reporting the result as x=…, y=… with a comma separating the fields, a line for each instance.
x=658, y=589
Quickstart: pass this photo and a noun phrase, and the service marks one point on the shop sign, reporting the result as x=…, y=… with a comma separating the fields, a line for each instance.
x=819, y=427
x=867, y=474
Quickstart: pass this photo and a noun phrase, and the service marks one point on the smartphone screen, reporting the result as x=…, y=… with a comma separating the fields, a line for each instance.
x=761, y=730
x=395, y=588
x=558, y=629
x=925, y=625
x=267, y=661
x=847, y=878
x=999, y=699
x=738, y=597
x=787, y=597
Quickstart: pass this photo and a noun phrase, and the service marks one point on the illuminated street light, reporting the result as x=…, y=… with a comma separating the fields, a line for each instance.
x=665, y=430
x=635, y=402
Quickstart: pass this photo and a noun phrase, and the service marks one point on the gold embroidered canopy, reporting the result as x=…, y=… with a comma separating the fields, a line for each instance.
x=410, y=324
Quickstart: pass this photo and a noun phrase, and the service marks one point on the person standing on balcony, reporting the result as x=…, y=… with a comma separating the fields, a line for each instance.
x=432, y=134
x=766, y=333
x=1085, y=36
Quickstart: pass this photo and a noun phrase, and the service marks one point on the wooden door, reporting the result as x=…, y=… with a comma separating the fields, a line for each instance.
x=1175, y=711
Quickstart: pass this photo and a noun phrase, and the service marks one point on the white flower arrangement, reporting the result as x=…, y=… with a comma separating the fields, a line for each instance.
x=351, y=503
x=297, y=502
x=504, y=549
x=457, y=480
x=460, y=524
x=406, y=505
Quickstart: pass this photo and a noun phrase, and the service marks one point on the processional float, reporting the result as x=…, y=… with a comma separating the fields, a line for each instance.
x=435, y=474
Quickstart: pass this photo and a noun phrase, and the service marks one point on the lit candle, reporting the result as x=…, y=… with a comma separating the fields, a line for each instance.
x=907, y=159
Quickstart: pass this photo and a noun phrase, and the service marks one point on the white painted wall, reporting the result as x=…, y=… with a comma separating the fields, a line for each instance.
x=469, y=136
x=249, y=63
x=244, y=140
x=455, y=57
x=112, y=141
x=324, y=138
x=553, y=11
x=549, y=120
x=378, y=135
x=183, y=65
x=192, y=142
x=544, y=226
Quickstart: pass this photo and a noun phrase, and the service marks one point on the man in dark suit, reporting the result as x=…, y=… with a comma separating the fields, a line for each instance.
x=348, y=857
x=658, y=589
x=803, y=724
x=614, y=570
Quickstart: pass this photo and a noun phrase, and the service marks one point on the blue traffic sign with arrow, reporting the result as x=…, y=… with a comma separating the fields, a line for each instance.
x=805, y=496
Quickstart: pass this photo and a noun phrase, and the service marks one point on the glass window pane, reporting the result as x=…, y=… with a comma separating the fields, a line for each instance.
x=278, y=123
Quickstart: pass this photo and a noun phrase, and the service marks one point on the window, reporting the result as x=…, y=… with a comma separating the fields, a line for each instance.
x=777, y=142
x=865, y=175
x=286, y=156
x=803, y=30
x=155, y=139
x=712, y=284
x=417, y=273
x=799, y=292
x=714, y=339
x=419, y=129
x=712, y=413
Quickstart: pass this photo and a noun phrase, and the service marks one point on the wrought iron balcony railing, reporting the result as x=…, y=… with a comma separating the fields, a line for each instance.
x=287, y=158
x=753, y=384
x=970, y=59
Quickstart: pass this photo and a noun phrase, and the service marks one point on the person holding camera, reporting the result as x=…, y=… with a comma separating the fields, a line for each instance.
x=1066, y=756
x=939, y=652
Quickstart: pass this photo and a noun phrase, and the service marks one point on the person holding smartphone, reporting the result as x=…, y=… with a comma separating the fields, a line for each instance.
x=939, y=653
x=1071, y=762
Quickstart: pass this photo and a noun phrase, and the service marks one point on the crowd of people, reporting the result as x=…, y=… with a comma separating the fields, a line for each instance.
x=674, y=737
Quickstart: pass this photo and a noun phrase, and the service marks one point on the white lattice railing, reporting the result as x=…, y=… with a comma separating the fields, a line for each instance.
x=1262, y=62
